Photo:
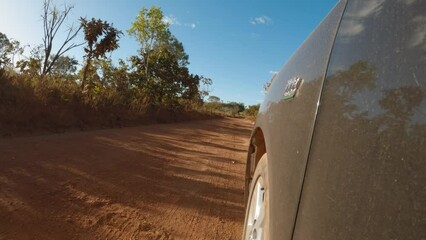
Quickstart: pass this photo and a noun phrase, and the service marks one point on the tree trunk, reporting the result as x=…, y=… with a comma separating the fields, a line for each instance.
x=86, y=69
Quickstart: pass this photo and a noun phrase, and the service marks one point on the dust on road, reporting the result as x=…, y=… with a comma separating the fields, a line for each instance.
x=172, y=181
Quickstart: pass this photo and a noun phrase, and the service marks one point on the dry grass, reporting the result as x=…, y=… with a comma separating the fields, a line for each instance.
x=33, y=105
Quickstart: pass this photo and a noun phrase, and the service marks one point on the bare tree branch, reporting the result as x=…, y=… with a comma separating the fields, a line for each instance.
x=53, y=19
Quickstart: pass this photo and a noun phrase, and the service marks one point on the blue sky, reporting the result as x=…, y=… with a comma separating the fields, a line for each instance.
x=236, y=43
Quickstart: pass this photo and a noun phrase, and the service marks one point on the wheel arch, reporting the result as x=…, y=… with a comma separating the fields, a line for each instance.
x=257, y=149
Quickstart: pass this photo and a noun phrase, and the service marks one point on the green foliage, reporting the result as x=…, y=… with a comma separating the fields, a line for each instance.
x=5, y=49
x=151, y=32
x=9, y=48
x=233, y=109
x=65, y=66
x=32, y=65
x=160, y=71
x=213, y=99
x=229, y=109
x=149, y=28
x=101, y=38
x=251, y=111
x=204, y=87
x=156, y=78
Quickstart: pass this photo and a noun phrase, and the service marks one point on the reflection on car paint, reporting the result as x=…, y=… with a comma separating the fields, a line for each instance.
x=366, y=177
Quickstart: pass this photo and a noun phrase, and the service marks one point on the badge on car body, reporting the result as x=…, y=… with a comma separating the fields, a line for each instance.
x=292, y=86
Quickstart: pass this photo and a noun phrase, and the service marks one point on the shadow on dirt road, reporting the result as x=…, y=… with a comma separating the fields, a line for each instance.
x=173, y=181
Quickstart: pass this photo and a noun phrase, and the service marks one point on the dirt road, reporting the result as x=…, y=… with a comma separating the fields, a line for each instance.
x=172, y=181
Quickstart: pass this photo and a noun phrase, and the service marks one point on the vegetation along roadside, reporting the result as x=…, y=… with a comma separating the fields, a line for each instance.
x=42, y=89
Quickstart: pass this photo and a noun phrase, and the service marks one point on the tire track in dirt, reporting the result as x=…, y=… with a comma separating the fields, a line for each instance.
x=173, y=181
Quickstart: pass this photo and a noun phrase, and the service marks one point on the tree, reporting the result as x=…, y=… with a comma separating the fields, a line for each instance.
x=53, y=19
x=233, y=107
x=110, y=75
x=65, y=66
x=17, y=50
x=5, y=49
x=252, y=110
x=101, y=37
x=33, y=65
x=107, y=71
x=204, y=90
x=121, y=77
x=151, y=32
x=169, y=75
x=160, y=71
x=213, y=99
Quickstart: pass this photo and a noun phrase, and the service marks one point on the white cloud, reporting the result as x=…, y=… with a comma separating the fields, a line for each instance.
x=173, y=21
x=407, y=2
x=262, y=20
x=351, y=27
x=368, y=8
x=354, y=24
x=273, y=72
x=418, y=38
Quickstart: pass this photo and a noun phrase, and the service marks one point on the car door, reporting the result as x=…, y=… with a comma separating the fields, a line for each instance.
x=365, y=177
x=287, y=122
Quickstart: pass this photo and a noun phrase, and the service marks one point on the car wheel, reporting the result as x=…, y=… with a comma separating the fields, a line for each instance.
x=256, y=225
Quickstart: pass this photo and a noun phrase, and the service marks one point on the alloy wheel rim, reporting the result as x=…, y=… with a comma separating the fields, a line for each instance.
x=256, y=215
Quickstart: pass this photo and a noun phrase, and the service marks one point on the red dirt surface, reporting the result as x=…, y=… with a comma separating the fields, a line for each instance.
x=172, y=181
